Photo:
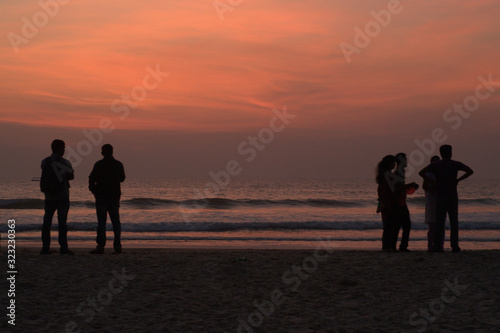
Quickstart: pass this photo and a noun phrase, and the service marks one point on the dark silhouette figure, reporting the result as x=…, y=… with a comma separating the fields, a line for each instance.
x=104, y=183
x=430, y=207
x=387, y=202
x=446, y=172
x=401, y=190
x=54, y=183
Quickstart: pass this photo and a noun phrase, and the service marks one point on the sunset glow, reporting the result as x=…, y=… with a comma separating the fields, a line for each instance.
x=226, y=75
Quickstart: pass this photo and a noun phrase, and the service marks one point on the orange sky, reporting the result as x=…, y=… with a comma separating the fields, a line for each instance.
x=225, y=76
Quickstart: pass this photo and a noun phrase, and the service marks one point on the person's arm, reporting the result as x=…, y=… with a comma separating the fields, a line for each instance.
x=412, y=185
x=92, y=179
x=122, y=173
x=424, y=174
x=70, y=173
x=468, y=172
x=399, y=186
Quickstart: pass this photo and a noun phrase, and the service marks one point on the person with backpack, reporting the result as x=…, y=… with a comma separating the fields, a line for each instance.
x=104, y=183
x=54, y=183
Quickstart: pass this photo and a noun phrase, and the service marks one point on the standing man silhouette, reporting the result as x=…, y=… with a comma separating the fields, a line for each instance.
x=54, y=183
x=446, y=173
x=104, y=183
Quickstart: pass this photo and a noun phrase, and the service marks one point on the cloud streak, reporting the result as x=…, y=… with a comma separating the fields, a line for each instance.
x=226, y=76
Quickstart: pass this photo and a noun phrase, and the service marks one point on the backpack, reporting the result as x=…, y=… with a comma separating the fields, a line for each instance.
x=53, y=180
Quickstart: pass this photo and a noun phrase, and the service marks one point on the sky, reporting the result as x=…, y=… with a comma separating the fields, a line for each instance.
x=286, y=88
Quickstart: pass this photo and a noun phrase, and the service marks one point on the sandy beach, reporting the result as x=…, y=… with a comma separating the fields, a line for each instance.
x=317, y=290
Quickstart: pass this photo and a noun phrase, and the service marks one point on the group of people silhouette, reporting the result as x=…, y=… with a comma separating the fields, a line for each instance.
x=440, y=185
x=104, y=183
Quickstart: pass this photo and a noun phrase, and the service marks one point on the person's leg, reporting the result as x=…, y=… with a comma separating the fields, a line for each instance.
x=114, y=215
x=396, y=225
x=429, y=219
x=453, y=214
x=430, y=236
x=406, y=226
x=102, y=212
x=386, y=234
x=50, y=208
x=62, y=218
x=440, y=222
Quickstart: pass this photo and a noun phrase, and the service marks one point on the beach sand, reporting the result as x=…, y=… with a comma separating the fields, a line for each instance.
x=217, y=290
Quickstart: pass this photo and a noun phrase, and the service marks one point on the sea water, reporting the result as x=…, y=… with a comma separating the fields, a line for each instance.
x=248, y=214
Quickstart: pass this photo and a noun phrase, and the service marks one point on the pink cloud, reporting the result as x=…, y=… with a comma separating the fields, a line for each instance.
x=228, y=75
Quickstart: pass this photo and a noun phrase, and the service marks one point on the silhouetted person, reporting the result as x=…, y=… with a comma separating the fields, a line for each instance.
x=54, y=183
x=430, y=207
x=403, y=213
x=104, y=183
x=446, y=172
x=387, y=202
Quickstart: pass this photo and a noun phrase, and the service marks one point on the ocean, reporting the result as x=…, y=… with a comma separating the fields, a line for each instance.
x=248, y=214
